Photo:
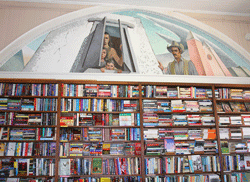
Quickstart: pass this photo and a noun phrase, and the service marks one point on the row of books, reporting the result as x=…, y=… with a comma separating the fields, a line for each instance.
x=101, y=179
x=27, y=149
x=100, y=134
x=28, y=89
x=15, y=118
x=27, y=167
x=99, y=119
x=185, y=178
x=98, y=149
x=236, y=162
x=109, y=105
x=179, y=133
x=20, y=179
x=34, y=104
x=156, y=119
x=233, y=107
x=169, y=146
x=232, y=93
x=234, y=177
x=101, y=90
x=234, y=120
x=156, y=91
x=27, y=133
x=230, y=147
x=235, y=133
x=177, y=106
x=183, y=164
x=88, y=166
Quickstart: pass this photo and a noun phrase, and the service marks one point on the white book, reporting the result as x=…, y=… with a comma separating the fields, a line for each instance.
x=11, y=148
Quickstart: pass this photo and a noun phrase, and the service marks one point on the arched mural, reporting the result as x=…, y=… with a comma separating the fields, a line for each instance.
x=130, y=41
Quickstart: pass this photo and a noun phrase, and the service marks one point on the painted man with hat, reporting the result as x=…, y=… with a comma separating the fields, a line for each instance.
x=179, y=66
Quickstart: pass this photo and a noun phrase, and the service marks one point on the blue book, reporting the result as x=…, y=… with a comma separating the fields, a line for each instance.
x=138, y=119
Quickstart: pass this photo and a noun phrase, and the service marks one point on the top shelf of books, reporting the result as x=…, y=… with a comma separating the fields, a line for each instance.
x=133, y=91
x=28, y=89
x=171, y=92
x=99, y=90
x=232, y=93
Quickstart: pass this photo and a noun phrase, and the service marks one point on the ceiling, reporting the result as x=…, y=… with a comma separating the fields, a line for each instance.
x=230, y=7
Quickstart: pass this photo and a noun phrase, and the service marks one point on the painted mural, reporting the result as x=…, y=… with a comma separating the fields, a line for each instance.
x=127, y=42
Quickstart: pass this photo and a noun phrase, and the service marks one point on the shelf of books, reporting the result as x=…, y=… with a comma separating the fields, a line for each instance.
x=92, y=131
x=28, y=119
x=179, y=132
x=100, y=134
x=232, y=106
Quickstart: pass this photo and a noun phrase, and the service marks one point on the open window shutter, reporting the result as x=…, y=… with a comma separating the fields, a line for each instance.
x=92, y=52
x=128, y=66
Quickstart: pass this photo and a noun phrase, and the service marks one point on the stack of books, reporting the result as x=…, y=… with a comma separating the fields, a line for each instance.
x=76, y=149
x=150, y=119
x=205, y=105
x=104, y=91
x=224, y=120
x=246, y=94
x=240, y=148
x=165, y=133
x=194, y=120
x=172, y=92
x=203, y=93
x=236, y=93
x=151, y=134
x=185, y=92
x=235, y=120
x=180, y=120
x=235, y=133
x=163, y=106
x=21, y=119
x=117, y=134
x=208, y=120
x=210, y=147
x=14, y=104
x=181, y=134
x=35, y=119
x=182, y=148
x=161, y=91
x=177, y=106
x=91, y=90
x=154, y=148
x=192, y=106
x=95, y=134
x=149, y=105
x=165, y=120
x=195, y=134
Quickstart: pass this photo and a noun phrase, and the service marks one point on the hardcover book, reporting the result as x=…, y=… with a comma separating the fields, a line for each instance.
x=96, y=166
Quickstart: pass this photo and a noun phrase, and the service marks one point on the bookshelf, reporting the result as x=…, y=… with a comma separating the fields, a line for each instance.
x=100, y=131
x=28, y=112
x=76, y=130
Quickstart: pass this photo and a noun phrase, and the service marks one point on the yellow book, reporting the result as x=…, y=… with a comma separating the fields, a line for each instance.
x=105, y=180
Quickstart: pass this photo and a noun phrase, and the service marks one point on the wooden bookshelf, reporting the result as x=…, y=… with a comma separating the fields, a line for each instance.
x=122, y=130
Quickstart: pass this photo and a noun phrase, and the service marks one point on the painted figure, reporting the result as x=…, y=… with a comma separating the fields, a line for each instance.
x=179, y=66
x=110, y=65
x=111, y=52
x=103, y=57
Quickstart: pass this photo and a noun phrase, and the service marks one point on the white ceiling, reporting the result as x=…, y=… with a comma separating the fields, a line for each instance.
x=236, y=7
